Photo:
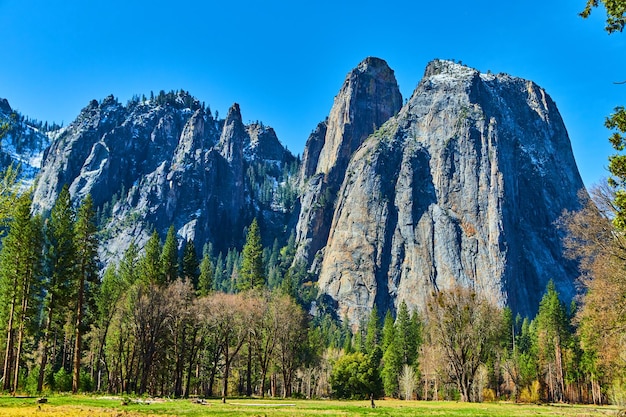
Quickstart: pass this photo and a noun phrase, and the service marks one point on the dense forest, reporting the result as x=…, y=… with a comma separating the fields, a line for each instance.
x=173, y=320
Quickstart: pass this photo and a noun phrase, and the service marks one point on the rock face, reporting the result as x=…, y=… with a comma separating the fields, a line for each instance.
x=23, y=142
x=368, y=98
x=462, y=186
x=162, y=162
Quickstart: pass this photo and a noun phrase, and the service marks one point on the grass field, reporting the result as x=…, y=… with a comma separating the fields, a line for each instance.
x=85, y=406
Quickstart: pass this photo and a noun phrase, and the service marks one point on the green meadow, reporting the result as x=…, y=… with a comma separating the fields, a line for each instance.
x=86, y=406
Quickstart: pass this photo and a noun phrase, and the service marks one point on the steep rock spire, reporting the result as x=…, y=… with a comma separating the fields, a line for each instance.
x=368, y=97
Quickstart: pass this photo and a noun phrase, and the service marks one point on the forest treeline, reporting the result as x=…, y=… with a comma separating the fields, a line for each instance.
x=172, y=320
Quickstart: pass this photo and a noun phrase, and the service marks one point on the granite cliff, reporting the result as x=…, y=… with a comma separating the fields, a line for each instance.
x=167, y=161
x=462, y=186
x=368, y=97
x=22, y=142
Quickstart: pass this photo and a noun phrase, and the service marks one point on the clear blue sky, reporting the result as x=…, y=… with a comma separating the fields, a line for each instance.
x=284, y=61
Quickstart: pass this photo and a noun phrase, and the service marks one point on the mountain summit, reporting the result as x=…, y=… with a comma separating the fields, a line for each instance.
x=167, y=162
x=462, y=186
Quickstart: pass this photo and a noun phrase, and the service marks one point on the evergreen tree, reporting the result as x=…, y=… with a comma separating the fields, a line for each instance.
x=59, y=263
x=372, y=337
x=150, y=268
x=106, y=299
x=389, y=331
x=189, y=264
x=392, y=361
x=287, y=286
x=205, y=281
x=288, y=252
x=169, y=257
x=219, y=276
x=346, y=334
x=87, y=277
x=20, y=268
x=251, y=274
x=408, y=334
x=552, y=337
x=129, y=266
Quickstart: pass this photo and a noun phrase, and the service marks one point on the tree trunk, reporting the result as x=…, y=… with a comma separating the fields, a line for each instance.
x=78, y=334
x=44, y=356
x=559, y=371
x=20, y=334
x=8, y=354
x=226, y=372
x=263, y=386
x=249, y=368
x=8, y=357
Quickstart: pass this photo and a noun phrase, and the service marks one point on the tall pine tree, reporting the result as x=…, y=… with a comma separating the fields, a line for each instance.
x=251, y=274
x=59, y=264
x=205, y=281
x=169, y=256
x=86, y=244
x=20, y=269
x=150, y=268
x=189, y=264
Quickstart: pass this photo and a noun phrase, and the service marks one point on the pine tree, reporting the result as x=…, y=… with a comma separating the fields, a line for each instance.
x=20, y=268
x=251, y=274
x=87, y=277
x=372, y=337
x=107, y=297
x=129, y=266
x=408, y=334
x=59, y=264
x=392, y=361
x=392, y=365
x=346, y=334
x=552, y=336
x=189, y=264
x=169, y=256
x=205, y=281
x=219, y=274
x=150, y=268
x=389, y=331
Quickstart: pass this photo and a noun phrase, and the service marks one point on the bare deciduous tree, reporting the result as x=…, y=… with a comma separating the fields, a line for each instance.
x=229, y=317
x=407, y=381
x=465, y=326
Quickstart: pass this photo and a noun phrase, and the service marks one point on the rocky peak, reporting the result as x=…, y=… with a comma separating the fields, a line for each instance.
x=448, y=68
x=160, y=162
x=312, y=150
x=233, y=135
x=5, y=107
x=369, y=96
x=263, y=143
x=23, y=143
x=462, y=187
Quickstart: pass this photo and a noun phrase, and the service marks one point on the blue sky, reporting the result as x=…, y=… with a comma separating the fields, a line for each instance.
x=284, y=61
